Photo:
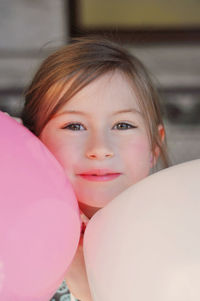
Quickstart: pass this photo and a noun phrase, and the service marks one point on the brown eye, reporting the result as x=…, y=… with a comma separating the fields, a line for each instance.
x=124, y=126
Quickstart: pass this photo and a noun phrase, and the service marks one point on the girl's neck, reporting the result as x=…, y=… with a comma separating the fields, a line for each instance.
x=87, y=210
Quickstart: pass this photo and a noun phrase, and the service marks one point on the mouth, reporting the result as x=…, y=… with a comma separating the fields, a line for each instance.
x=99, y=176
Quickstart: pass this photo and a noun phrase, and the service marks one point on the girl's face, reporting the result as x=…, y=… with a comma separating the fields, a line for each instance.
x=99, y=137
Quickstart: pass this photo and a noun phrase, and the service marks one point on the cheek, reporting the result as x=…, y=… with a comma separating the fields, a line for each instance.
x=64, y=151
x=68, y=155
x=137, y=159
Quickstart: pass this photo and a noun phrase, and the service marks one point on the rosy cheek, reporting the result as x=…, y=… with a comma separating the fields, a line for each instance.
x=137, y=158
x=65, y=154
x=139, y=145
x=69, y=154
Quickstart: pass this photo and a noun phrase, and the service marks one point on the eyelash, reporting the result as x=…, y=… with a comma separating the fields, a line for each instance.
x=71, y=125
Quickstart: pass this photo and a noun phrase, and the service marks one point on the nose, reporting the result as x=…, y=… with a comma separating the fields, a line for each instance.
x=99, y=149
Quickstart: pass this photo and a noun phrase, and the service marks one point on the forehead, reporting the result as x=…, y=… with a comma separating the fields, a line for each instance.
x=112, y=91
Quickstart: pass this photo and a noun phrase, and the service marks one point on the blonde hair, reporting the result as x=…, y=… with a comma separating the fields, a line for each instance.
x=77, y=65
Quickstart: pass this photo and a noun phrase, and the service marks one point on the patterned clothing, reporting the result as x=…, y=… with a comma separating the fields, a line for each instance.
x=63, y=294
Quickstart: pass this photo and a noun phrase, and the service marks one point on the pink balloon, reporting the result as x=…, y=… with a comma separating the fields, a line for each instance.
x=40, y=221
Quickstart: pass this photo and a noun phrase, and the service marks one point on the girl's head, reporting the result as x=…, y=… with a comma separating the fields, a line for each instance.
x=75, y=103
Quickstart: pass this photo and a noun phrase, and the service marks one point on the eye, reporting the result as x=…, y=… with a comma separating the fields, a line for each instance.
x=124, y=126
x=74, y=127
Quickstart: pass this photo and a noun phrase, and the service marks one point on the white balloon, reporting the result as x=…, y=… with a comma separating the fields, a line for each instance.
x=145, y=244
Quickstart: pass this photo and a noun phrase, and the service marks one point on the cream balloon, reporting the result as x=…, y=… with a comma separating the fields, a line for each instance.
x=145, y=244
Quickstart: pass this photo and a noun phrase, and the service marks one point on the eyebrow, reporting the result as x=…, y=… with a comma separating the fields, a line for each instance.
x=86, y=114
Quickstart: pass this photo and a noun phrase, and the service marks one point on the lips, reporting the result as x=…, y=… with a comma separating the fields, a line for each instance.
x=99, y=175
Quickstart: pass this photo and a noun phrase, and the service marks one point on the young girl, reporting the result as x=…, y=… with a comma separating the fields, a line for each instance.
x=94, y=106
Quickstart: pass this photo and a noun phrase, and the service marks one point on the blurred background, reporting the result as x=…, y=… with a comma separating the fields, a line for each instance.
x=164, y=34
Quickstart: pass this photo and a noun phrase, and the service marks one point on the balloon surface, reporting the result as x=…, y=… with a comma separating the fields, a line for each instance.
x=39, y=217
x=145, y=244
